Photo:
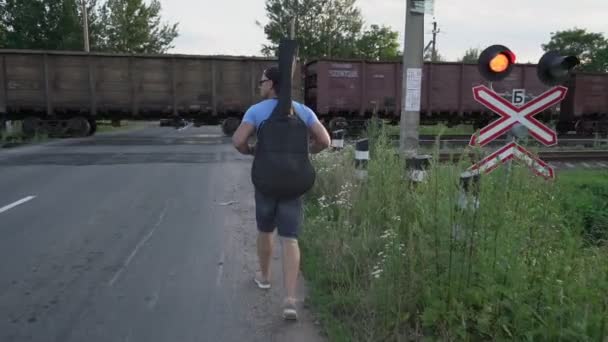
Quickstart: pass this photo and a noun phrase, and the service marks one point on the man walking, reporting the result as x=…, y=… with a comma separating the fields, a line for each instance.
x=271, y=213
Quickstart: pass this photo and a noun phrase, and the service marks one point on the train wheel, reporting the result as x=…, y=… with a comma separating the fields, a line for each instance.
x=78, y=127
x=93, y=124
x=230, y=125
x=31, y=126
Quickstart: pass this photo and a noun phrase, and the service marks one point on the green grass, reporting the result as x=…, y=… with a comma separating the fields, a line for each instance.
x=435, y=129
x=586, y=202
x=16, y=138
x=388, y=261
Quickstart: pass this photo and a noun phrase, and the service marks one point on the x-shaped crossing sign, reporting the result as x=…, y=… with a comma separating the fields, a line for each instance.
x=510, y=115
x=514, y=151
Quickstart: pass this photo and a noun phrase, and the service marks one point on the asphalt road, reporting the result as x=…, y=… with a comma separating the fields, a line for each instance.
x=146, y=235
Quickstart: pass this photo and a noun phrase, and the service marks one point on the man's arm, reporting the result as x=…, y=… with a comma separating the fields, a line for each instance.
x=240, y=138
x=320, y=138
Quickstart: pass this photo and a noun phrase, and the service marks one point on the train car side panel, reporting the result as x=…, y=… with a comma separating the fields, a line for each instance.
x=113, y=84
x=3, y=90
x=586, y=106
x=25, y=85
x=154, y=82
x=69, y=83
x=444, y=87
x=338, y=87
x=380, y=94
x=232, y=92
x=591, y=94
x=194, y=86
x=345, y=82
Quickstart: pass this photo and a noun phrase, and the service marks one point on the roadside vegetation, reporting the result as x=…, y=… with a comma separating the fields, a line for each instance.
x=108, y=126
x=15, y=137
x=391, y=261
x=435, y=129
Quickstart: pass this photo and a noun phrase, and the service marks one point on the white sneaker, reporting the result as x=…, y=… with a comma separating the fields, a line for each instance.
x=289, y=311
x=263, y=284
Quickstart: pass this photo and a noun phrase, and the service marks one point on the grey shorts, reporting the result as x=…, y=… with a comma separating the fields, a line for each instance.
x=285, y=215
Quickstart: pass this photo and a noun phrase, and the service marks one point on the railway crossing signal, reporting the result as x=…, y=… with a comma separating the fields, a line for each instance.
x=553, y=68
x=511, y=115
x=496, y=62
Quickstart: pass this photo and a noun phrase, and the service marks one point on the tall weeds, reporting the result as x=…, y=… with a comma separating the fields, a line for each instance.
x=393, y=261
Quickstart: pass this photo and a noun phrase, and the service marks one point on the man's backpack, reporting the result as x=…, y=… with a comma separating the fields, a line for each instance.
x=281, y=166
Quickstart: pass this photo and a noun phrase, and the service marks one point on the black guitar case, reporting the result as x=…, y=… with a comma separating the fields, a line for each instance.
x=281, y=166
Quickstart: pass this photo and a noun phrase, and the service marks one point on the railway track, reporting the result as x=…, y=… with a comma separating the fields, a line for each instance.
x=463, y=140
x=548, y=156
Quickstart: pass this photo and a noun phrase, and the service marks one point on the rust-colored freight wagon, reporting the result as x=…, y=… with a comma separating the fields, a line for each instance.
x=75, y=88
x=349, y=90
x=586, y=103
x=357, y=89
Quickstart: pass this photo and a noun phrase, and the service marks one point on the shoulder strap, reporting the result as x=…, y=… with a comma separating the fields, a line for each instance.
x=277, y=111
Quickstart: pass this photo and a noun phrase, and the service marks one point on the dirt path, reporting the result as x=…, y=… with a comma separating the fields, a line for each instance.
x=264, y=306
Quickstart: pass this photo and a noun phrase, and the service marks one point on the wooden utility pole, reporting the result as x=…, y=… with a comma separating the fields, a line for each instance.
x=85, y=26
x=435, y=31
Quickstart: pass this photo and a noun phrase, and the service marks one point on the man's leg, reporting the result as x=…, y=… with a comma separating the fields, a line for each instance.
x=291, y=267
x=265, y=245
x=289, y=220
x=265, y=209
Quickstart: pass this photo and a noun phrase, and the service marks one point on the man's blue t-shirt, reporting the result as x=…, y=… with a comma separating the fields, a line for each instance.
x=259, y=112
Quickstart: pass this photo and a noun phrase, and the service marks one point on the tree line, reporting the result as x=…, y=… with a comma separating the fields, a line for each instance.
x=590, y=47
x=328, y=28
x=324, y=28
x=127, y=26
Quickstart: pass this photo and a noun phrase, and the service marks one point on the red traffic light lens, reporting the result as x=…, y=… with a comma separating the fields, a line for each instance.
x=499, y=63
x=496, y=63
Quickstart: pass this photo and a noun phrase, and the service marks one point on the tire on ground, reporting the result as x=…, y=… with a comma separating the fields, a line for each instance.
x=78, y=127
x=230, y=125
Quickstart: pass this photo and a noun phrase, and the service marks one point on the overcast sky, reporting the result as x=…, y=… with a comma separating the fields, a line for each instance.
x=228, y=26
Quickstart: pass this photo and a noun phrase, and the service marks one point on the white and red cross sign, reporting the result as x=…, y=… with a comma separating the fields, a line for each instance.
x=511, y=115
x=514, y=151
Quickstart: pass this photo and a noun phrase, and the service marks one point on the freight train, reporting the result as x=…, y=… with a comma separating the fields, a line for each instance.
x=344, y=91
x=67, y=92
